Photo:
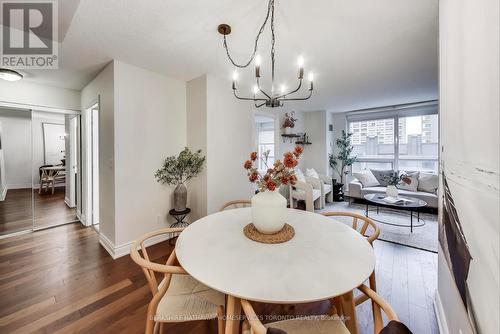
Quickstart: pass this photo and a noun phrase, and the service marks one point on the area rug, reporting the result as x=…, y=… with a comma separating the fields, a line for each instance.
x=424, y=237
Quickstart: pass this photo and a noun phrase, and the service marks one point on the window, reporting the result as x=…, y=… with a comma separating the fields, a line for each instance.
x=398, y=141
x=265, y=133
x=418, y=143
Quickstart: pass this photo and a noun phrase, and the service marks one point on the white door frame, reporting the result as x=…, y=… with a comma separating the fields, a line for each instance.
x=90, y=183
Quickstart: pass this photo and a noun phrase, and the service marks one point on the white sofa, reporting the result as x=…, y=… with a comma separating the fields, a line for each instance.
x=356, y=190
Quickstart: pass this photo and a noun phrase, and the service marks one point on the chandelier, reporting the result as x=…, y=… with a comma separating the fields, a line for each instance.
x=261, y=97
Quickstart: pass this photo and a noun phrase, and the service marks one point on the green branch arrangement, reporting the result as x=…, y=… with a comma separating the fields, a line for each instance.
x=179, y=169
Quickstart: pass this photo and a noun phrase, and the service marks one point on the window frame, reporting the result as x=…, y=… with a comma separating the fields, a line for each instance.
x=395, y=114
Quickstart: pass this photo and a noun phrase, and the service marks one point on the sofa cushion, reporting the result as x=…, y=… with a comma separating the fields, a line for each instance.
x=312, y=173
x=428, y=182
x=413, y=185
x=382, y=175
x=300, y=176
x=366, y=178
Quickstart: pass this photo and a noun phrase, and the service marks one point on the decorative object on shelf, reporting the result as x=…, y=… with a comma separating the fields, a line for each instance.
x=284, y=235
x=290, y=137
x=10, y=75
x=269, y=206
x=392, y=180
x=261, y=97
x=289, y=123
x=344, y=155
x=177, y=170
x=303, y=140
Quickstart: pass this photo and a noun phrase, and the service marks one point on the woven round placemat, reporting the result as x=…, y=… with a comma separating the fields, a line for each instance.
x=286, y=233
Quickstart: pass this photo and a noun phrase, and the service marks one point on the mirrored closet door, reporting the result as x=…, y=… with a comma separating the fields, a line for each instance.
x=39, y=169
x=55, y=168
x=16, y=204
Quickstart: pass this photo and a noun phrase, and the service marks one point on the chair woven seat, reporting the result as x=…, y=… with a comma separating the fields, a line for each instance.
x=188, y=300
x=309, y=325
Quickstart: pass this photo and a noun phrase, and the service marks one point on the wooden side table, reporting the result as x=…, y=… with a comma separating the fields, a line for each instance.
x=179, y=217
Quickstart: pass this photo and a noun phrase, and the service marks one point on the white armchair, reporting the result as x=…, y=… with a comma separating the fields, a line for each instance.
x=324, y=183
x=309, y=192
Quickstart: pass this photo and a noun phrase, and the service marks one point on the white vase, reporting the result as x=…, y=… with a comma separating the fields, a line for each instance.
x=391, y=191
x=268, y=211
x=288, y=130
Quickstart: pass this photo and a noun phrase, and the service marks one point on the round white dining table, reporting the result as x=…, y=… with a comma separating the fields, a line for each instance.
x=324, y=259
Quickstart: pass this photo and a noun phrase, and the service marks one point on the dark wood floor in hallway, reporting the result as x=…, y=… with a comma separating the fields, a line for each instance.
x=61, y=280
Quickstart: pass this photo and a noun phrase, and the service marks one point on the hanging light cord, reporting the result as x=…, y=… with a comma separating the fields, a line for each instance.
x=270, y=13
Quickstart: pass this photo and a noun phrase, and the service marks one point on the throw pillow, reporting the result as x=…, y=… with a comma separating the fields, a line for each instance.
x=366, y=178
x=428, y=182
x=413, y=178
x=312, y=173
x=382, y=176
x=300, y=176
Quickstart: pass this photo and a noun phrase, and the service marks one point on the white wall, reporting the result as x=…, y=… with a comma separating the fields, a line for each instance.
x=229, y=143
x=16, y=145
x=469, y=116
x=339, y=123
x=102, y=88
x=316, y=155
x=150, y=124
x=196, y=109
x=25, y=92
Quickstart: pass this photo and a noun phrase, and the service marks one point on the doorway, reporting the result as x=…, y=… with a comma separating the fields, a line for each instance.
x=92, y=165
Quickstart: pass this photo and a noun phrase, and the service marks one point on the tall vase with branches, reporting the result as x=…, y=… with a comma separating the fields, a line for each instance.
x=177, y=170
x=344, y=158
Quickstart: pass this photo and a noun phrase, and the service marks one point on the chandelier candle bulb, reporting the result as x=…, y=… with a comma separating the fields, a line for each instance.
x=266, y=98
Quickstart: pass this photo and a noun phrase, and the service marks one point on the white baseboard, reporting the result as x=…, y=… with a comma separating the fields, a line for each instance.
x=441, y=318
x=67, y=201
x=124, y=249
x=3, y=194
x=19, y=186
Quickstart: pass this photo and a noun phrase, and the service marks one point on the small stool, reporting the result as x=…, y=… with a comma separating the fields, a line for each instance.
x=179, y=217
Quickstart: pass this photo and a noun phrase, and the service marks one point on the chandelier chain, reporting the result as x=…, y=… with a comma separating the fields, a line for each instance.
x=270, y=9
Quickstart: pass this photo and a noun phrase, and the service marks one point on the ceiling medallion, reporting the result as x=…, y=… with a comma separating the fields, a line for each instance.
x=260, y=97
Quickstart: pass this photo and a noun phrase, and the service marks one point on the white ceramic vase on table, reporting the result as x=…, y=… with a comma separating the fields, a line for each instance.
x=391, y=191
x=268, y=211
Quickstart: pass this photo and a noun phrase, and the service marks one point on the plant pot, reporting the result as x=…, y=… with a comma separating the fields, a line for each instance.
x=268, y=211
x=391, y=191
x=180, y=197
x=288, y=130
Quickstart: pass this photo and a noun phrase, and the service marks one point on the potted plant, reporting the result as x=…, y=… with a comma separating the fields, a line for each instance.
x=176, y=170
x=289, y=123
x=344, y=156
x=268, y=205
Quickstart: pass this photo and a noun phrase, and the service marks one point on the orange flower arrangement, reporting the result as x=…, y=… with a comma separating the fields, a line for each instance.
x=280, y=172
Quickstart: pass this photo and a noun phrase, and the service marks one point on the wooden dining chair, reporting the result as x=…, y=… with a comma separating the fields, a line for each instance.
x=177, y=297
x=240, y=203
x=369, y=229
x=319, y=324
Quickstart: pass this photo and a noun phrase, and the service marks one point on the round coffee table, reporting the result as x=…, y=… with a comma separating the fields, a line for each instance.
x=411, y=204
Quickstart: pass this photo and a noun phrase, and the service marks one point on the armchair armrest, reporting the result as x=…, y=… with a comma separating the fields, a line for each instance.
x=308, y=189
x=354, y=189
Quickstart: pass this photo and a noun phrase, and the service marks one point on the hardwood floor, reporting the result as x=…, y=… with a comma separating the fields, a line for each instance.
x=16, y=210
x=61, y=280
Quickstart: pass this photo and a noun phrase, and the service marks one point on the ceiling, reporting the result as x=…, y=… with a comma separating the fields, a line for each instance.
x=363, y=53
